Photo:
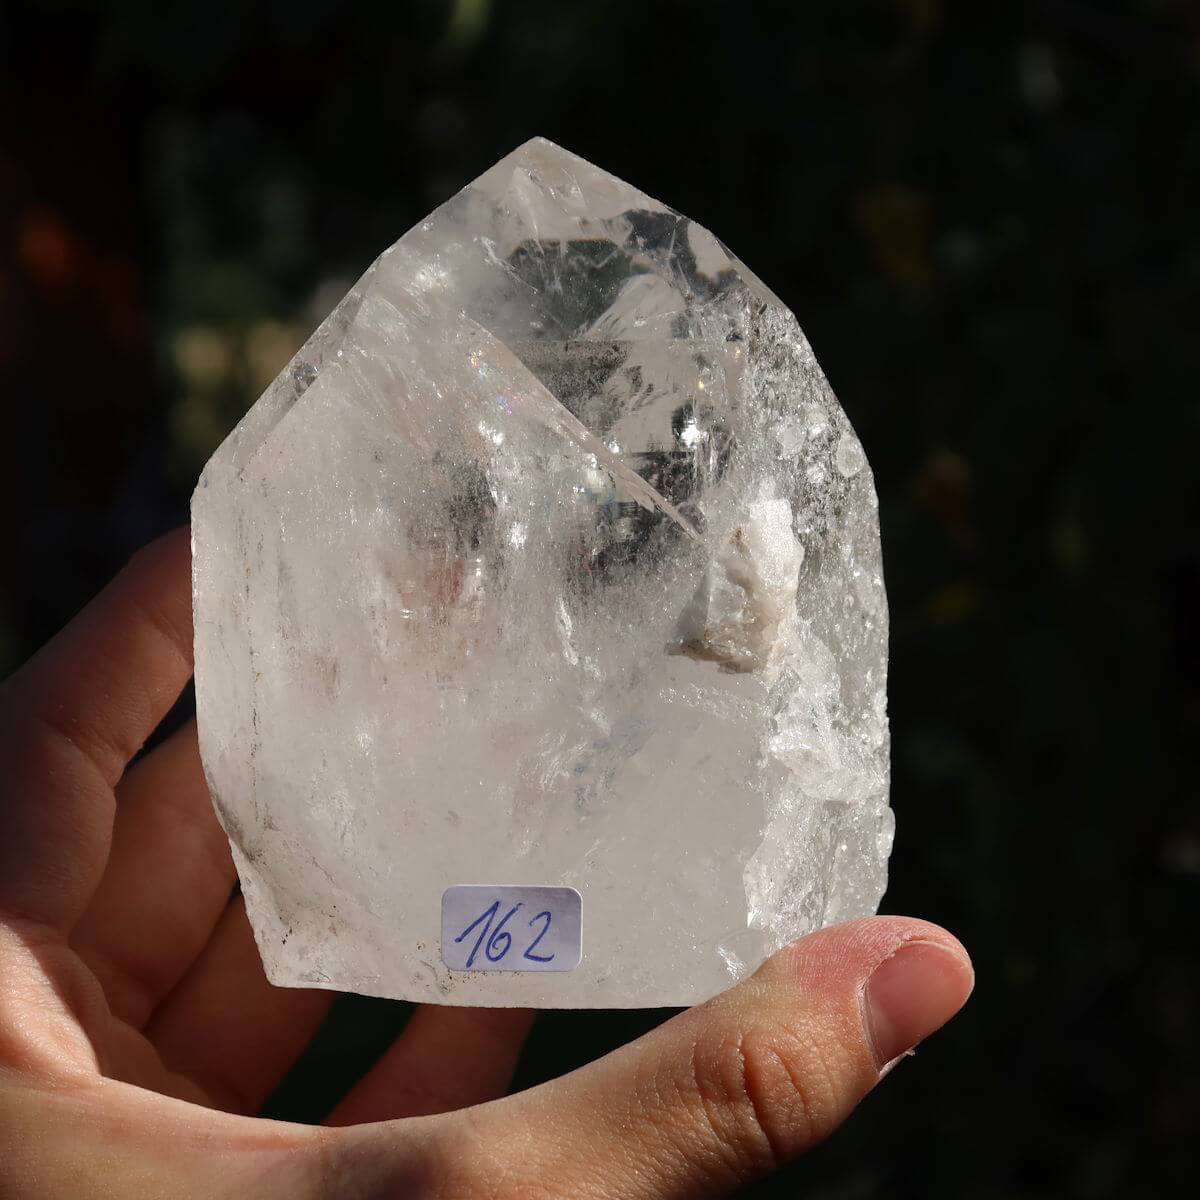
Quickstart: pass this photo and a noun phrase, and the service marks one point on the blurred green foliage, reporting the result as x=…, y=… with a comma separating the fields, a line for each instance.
x=985, y=217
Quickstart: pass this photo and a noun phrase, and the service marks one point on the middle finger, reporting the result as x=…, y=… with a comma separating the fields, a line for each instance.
x=168, y=880
x=226, y=1027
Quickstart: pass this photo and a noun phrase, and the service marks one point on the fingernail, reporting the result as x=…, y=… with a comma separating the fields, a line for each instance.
x=913, y=993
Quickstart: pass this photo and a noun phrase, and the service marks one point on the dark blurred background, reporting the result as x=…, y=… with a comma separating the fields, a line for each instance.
x=985, y=217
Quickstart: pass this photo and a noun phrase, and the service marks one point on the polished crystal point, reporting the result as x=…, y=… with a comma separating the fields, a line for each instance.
x=549, y=560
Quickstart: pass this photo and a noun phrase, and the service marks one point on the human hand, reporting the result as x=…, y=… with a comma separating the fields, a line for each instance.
x=138, y=1034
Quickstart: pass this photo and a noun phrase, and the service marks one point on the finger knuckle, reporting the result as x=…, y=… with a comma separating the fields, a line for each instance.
x=764, y=1090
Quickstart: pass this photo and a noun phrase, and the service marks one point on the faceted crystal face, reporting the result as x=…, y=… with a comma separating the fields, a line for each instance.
x=550, y=559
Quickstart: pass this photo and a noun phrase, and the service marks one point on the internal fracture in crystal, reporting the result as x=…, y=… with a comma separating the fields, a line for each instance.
x=550, y=559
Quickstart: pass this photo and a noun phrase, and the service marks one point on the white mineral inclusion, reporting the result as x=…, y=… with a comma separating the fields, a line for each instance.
x=550, y=559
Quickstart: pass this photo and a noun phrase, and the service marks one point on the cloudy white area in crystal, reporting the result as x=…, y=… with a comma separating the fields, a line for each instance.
x=550, y=559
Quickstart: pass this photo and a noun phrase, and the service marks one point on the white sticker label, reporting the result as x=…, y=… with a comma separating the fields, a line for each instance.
x=507, y=928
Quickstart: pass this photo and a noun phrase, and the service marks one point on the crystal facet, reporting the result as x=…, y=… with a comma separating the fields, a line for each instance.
x=550, y=559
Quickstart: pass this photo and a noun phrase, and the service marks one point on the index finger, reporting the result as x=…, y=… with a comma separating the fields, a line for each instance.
x=73, y=717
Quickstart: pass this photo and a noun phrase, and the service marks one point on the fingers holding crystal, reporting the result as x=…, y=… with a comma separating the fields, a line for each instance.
x=446, y=1059
x=730, y=1090
x=74, y=716
x=167, y=883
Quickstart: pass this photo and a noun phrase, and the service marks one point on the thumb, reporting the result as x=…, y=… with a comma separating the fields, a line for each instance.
x=734, y=1088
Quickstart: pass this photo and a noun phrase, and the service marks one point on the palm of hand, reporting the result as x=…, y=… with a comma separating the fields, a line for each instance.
x=138, y=1034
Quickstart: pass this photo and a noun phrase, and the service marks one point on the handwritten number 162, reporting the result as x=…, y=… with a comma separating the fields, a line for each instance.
x=497, y=942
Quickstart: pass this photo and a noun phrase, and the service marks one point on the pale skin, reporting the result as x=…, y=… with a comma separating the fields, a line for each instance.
x=138, y=1035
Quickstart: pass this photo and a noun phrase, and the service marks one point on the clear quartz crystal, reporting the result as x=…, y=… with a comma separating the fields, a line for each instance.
x=549, y=559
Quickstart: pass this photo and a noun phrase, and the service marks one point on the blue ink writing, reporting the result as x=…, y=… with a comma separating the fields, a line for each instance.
x=529, y=954
x=497, y=942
